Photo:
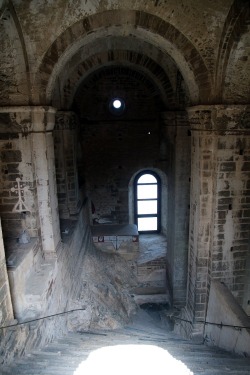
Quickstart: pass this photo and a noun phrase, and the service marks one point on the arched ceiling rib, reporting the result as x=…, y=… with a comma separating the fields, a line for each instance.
x=14, y=73
x=146, y=27
x=233, y=64
x=208, y=41
x=76, y=73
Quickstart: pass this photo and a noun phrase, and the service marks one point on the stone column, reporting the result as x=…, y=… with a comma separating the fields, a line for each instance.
x=65, y=135
x=28, y=174
x=43, y=121
x=220, y=203
x=175, y=125
x=6, y=310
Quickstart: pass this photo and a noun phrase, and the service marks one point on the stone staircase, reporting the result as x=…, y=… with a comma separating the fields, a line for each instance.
x=151, y=271
x=144, y=347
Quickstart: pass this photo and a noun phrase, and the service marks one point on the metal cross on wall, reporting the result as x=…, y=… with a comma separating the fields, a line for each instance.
x=19, y=189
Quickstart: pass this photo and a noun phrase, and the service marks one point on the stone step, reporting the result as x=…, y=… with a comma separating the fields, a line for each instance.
x=66, y=354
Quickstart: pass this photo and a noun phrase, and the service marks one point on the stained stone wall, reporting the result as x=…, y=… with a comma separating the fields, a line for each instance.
x=219, y=221
x=18, y=212
x=161, y=56
x=28, y=184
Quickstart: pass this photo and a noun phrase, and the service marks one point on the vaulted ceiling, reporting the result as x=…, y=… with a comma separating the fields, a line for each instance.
x=49, y=48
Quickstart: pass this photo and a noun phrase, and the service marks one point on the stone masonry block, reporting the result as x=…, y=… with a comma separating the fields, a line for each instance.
x=11, y=156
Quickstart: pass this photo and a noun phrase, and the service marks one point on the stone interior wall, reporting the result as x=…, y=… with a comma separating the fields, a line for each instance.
x=232, y=215
x=16, y=163
x=219, y=220
x=116, y=147
x=29, y=193
x=110, y=164
x=194, y=52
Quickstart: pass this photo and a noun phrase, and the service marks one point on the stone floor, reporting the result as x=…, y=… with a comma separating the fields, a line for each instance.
x=143, y=347
x=151, y=246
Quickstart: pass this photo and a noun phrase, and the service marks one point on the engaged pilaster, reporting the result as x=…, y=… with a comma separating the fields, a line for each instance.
x=65, y=135
x=176, y=156
x=220, y=202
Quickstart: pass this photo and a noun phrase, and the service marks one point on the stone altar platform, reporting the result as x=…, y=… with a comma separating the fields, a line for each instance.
x=122, y=239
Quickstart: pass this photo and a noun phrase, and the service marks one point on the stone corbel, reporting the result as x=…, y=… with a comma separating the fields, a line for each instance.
x=43, y=119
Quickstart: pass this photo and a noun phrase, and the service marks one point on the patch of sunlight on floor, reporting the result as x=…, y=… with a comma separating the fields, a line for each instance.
x=131, y=359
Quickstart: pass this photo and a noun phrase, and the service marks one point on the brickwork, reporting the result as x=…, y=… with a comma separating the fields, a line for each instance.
x=219, y=223
x=147, y=65
x=14, y=61
x=16, y=163
x=141, y=95
x=116, y=147
x=29, y=197
x=235, y=26
x=139, y=19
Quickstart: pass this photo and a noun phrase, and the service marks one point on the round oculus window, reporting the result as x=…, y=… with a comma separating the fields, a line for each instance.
x=117, y=103
x=117, y=106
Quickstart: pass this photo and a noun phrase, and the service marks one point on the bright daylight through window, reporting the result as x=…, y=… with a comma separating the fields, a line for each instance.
x=117, y=106
x=117, y=103
x=147, y=203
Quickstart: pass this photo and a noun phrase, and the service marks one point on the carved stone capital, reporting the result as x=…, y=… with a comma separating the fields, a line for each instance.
x=228, y=119
x=66, y=120
x=27, y=119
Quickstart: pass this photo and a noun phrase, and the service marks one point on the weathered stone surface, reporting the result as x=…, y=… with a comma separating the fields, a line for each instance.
x=165, y=60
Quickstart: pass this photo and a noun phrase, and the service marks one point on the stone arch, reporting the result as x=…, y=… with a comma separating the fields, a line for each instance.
x=136, y=24
x=12, y=40
x=229, y=59
x=136, y=61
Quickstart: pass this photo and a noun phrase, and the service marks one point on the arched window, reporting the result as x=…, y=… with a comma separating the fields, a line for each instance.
x=147, y=194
